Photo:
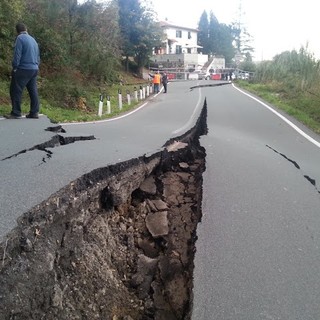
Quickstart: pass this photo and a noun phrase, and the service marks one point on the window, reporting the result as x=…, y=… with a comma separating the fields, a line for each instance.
x=178, y=49
x=189, y=35
x=178, y=34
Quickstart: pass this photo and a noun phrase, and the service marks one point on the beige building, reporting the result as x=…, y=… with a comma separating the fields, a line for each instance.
x=179, y=39
x=180, y=49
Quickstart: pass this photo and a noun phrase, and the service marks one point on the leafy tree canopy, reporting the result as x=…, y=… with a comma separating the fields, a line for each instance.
x=89, y=37
x=140, y=32
x=215, y=38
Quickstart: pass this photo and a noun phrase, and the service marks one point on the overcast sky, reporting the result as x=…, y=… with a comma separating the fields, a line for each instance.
x=275, y=25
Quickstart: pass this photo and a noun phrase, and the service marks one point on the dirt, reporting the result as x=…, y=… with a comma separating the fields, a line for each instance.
x=117, y=243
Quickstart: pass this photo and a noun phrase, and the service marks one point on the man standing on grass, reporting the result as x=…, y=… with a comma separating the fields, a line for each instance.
x=25, y=67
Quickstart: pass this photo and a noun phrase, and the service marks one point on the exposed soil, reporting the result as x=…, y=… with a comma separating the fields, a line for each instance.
x=118, y=243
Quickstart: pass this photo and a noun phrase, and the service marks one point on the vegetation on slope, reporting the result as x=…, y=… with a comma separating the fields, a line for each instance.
x=84, y=52
x=291, y=81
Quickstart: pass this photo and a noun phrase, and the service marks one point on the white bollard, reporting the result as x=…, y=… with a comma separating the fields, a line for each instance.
x=108, y=105
x=140, y=93
x=135, y=94
x=148, y=91
x=100, y=105
x=128, y=97
x=120, y=99
x=143, y=92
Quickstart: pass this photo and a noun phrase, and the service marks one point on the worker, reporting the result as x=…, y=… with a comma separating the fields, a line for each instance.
x=156, y=81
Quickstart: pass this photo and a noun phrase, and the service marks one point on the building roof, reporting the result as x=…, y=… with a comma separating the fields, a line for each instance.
x=168, y=24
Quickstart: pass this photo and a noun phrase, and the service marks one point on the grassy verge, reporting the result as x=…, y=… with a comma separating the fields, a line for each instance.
x=71, y=99
x=303, y=106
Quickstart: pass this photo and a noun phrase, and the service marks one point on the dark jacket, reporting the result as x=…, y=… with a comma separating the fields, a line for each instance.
x=164, y=79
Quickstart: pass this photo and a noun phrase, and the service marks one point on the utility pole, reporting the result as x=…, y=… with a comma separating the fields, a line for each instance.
x=243, y=39
x=240, y=14
x=239, y=26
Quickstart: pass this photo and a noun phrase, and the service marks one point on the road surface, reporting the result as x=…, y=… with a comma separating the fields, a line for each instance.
x=258, y=251
x=29, y=175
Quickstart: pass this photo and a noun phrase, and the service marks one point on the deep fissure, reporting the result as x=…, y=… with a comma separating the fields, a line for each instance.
x=117, y=243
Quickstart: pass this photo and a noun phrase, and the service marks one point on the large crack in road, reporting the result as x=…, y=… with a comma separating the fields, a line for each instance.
x=117, y=243
x=55, y=141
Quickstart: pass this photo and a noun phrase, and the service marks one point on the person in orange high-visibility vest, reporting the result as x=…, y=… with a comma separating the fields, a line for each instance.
x=156, y=82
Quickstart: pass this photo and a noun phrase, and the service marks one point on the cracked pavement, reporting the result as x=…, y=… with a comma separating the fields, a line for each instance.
x=38, y=158
x=24, y=180
x=258, y=243
x=312, y=181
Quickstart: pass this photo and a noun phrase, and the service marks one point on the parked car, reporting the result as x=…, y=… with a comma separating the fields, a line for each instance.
x=193, y=76
x=197, y=75
x=244, y=76
x=220, y=74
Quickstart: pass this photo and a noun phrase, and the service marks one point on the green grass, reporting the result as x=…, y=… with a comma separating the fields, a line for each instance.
x=301, y=105
x=71, y=100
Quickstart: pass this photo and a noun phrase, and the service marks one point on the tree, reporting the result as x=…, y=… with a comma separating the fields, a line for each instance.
x=225, y=43
x=99, y=45
x=215, y=38
x=10, y=13
x=203, y=35
x=151, y=36
x=213, y=34
x=54, y=24
x=82, y=37
x=248, y=65
x=139, y=32
x=242, y=38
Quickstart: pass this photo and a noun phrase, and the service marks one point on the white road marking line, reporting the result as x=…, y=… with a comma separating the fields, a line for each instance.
x=186, y=126
x=291, y=124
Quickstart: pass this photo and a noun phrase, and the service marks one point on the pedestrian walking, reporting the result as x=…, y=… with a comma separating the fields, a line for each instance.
x=25, y=67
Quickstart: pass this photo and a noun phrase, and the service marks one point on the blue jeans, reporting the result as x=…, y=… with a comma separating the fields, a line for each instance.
x=156, y=87
x=20, y=79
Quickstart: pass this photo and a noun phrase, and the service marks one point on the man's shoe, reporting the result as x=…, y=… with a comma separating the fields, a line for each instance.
x=32, y=116
x=12, y=116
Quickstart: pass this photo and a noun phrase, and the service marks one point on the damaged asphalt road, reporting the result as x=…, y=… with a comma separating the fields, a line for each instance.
x=36, y=160
x=259, y=241
x=257, y=249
